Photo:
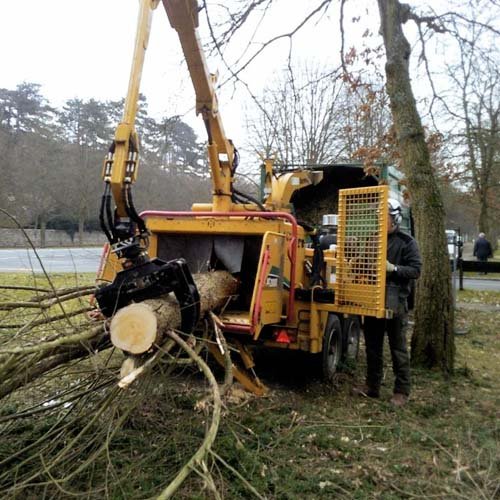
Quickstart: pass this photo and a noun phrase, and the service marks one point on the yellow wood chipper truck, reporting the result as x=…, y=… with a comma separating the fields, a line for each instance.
x=297, y=290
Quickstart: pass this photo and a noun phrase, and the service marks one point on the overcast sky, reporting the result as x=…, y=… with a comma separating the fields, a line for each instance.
x=84, y=49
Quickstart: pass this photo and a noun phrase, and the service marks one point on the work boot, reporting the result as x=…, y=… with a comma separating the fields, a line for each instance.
x=399, y=399
x=366, y=391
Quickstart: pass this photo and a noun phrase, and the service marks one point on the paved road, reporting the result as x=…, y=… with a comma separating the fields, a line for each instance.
x=55, y=260
x=482, y=284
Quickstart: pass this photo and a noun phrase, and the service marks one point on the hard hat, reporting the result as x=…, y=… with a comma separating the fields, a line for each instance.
x=395, y=210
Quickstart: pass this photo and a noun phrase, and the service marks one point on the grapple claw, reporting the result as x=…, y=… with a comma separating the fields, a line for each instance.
x=151, y=279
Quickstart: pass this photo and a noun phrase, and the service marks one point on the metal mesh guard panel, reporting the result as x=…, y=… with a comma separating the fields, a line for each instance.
x=362, y=250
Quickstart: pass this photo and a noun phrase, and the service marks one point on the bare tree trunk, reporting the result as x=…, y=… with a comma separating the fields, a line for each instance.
x=433, y=340
x=81, y=222
x=484, y=224
x=43, y=227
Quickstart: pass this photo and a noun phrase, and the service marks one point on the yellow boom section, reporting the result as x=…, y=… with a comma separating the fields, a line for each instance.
x=183, y=17
x=120, y=166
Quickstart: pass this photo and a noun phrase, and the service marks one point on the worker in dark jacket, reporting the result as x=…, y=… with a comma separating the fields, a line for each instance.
x=403, y=265
x=482, y=250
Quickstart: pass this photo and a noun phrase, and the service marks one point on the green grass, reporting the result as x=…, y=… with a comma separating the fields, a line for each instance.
x=40, y=280
x=332, y=444
x=312, y=440
x=479, y=297
x=306, y=439
x=44, y=285
x=475, y=275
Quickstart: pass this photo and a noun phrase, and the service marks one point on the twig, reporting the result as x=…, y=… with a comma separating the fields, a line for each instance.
x=46, y=346
x=214, y=425
x=49, y=319
x=238, y=475
x=221, y=342
x=136, y=372
x=42, y=409
x=39, y=368
x=28, y=288
x=61, y=292
x=46, y=303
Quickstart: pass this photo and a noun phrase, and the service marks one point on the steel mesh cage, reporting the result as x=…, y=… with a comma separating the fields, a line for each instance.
x=362, y=250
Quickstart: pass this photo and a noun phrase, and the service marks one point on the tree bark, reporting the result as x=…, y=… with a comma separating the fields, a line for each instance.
x=484, y=224
x=81, y=226
x=43, y=227
x=433, y=337
x=137, y=327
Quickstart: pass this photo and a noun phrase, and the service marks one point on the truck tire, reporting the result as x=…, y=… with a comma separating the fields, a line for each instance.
x=332, y=347
x=352, y=332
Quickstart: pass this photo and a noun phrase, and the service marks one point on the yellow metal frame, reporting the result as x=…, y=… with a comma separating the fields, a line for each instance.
x=362, y=251
x=283, y=186
x=276, y=236
x=121, y=166
x=360, y=279
x=269, y=294
x=183, y=17
x=359, y=260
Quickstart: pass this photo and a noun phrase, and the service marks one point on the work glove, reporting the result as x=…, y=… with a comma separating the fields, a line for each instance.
x=389, y=267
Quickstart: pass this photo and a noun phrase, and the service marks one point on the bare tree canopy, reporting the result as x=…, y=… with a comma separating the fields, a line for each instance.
x=63, y=150
x=288, y=114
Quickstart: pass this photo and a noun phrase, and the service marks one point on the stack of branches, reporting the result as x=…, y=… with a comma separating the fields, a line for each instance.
x=72, y=423
x=44, y=333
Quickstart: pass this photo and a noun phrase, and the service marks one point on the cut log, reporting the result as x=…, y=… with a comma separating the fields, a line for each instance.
x=137, y=327
x=133, y=328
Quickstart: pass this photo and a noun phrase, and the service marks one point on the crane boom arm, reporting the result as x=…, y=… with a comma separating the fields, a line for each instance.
x=120, y=167
x=183, y=17
x=141, y=277
x=124, y=228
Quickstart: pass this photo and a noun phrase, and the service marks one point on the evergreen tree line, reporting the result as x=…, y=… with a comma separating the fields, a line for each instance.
x=51, y=159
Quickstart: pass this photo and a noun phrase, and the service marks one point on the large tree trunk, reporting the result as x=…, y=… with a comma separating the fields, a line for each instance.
x=484, y=223
x=433, y=340
x=137, y=327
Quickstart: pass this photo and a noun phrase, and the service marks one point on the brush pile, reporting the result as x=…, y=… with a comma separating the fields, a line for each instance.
x=79, y=415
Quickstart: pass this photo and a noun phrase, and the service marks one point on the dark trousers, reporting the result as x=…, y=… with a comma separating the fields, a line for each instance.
x=482, y=266
x=374, y=330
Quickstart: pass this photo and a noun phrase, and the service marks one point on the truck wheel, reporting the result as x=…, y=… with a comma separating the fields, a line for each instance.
x=352, y=333
x=332, y=347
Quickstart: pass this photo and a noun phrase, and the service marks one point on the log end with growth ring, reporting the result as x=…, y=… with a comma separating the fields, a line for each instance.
x=134, y=328
x=137, y=327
